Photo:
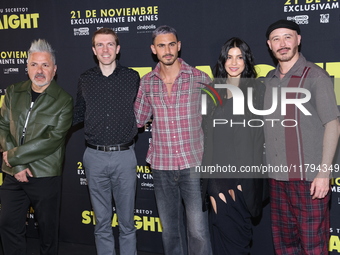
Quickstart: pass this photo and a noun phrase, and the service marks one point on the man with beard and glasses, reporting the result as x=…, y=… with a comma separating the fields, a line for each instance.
x=35, y=117
x=171, y=94
x=305, y=144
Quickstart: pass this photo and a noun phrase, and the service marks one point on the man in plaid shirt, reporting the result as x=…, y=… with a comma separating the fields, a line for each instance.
x=171, y=94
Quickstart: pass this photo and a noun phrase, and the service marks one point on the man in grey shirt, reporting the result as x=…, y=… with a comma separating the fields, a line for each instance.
x=300, y=145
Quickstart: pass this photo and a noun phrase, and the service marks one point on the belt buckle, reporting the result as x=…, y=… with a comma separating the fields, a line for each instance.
x=114, y=148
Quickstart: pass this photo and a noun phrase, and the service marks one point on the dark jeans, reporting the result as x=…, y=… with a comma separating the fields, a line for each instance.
x=44, y=196
x=173, y=189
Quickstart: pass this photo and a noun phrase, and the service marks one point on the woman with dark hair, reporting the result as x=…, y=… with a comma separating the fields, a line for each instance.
x=234, y=198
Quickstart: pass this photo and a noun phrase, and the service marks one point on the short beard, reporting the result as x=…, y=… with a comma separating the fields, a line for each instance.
x=286, y=58
x=42, y=85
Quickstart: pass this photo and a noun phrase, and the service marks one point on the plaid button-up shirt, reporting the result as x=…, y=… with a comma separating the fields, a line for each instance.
x=177, y=137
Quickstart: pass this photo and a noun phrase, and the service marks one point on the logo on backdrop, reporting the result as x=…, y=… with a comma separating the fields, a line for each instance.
x=334, y=241
x=11, y=70
x=121, y=20
x=144, y=175
x=81, y=31
x=309, y=5
x=18, y=18
x=81, y=173
x=145, y=178
x=12, y=61
x=324, y=18
x=335, y=183
x=299, y=19
x=145, y=219
x=323, y=7
x=13, y=57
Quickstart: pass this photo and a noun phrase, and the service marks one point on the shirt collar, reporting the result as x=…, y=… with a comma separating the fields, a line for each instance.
x=297, y=68
x=98, y=71
x=52, y=89
x=185, y=68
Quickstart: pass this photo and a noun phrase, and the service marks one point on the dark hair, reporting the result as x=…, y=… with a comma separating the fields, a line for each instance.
x=249, y=69
x=163, y=30
x=249, y=73
x=105, y=31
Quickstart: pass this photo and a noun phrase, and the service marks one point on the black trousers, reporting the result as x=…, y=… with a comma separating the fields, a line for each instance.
x=16, y=197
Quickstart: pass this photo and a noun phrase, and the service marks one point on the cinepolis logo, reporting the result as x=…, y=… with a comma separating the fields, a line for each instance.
x=11, y=70
x=239, y=103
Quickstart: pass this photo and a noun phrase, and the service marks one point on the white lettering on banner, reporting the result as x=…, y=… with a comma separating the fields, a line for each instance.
x=238, y=102
x=309, y=6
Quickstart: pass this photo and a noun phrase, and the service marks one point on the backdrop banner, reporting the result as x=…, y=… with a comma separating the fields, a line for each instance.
x=203, y=27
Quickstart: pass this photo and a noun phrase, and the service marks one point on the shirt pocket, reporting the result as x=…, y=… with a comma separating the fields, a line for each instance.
x=189, y=98
x=156, y=98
